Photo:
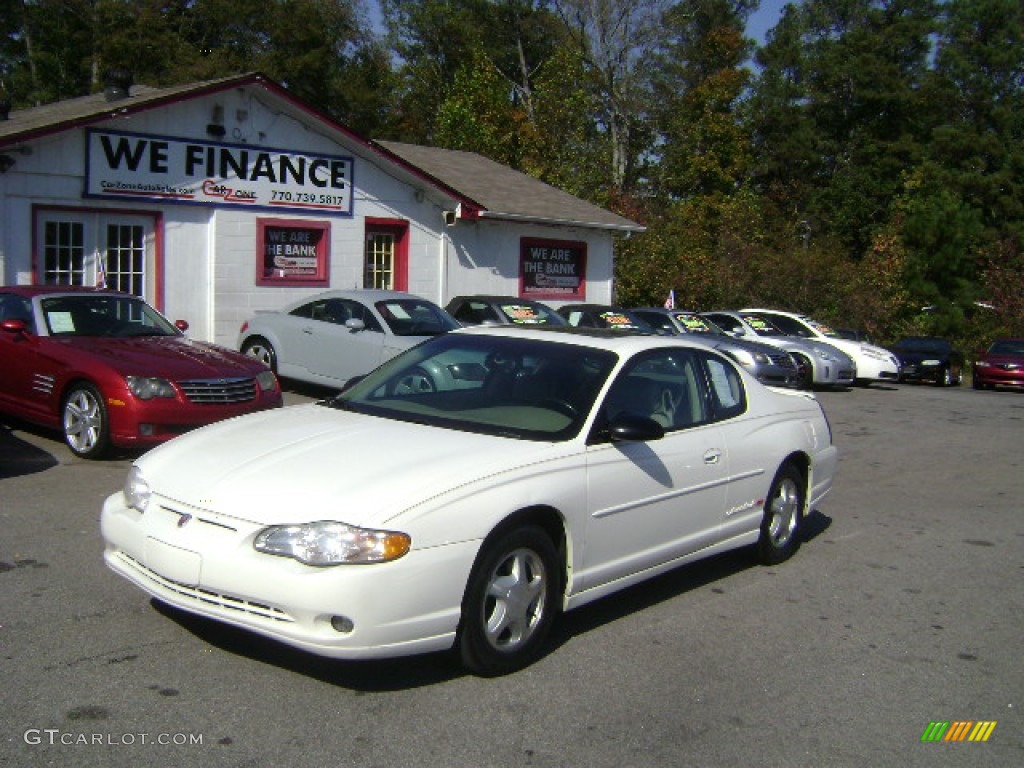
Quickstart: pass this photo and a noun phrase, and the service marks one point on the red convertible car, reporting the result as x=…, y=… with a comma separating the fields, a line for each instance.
x=109, y=370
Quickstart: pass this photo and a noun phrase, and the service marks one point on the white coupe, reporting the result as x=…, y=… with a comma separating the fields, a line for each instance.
x=470, y=489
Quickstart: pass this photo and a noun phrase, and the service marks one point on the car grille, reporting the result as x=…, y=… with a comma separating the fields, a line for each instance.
x=206, y=596
x=783, y=360
x=219, y=391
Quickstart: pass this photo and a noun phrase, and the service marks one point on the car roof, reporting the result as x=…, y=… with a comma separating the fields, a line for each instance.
x=625, y=344
x=784, y=313
x=496, y=298
x=366, y=294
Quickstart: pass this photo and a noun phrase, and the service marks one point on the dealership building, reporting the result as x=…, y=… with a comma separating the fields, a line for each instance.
x=215, y=199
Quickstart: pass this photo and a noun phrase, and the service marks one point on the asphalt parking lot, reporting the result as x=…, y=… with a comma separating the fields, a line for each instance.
x=904, y=607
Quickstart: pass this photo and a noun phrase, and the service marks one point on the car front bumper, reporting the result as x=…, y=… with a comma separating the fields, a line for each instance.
x=135, y=423
x=205, y=564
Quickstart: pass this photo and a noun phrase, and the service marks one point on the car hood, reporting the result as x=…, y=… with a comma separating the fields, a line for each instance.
x=916, y=356
x=173, y=357
x=312, y=462
x=993, y=359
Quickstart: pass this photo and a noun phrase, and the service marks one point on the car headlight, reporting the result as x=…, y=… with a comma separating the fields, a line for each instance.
x=982, y=364
x=148, y=387
x=931, y=362
x=137, y=492
x=331, y=543
x=267, y=381
x=741, y=356
x=824, y=354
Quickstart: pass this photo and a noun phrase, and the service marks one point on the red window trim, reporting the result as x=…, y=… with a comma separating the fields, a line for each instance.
x=157, y=217
x=400, y=229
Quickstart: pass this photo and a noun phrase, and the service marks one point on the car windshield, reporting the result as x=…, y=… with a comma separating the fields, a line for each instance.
x=762, y=327
x=528, y=389
x=824, y=330
x=413, y=317
x=791, y=326
x=1013, y=347
x=923, y=345
x=103, y=315
x=696, y=324
x=521, y=313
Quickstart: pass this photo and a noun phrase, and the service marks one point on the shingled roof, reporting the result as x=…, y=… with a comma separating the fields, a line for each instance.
x=504, y=193
x=488, y=189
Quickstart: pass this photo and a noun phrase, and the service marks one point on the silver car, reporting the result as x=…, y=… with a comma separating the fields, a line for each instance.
x=819, y=364
x=331, y=337
x=768, y=364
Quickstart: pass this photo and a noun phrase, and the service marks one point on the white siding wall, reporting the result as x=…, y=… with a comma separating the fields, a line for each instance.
x=209, y=254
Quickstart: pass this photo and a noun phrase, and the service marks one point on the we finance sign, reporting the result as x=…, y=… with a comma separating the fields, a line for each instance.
x=128, y=165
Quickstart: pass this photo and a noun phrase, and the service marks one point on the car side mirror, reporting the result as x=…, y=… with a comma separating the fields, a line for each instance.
x=181, y=325
x=14, y=325
x=355, y=324
x=634, y=428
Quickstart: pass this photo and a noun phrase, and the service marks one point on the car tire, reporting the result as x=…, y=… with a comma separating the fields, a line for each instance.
x=510, y=602
x=783, y=515
x=84, y=421
x=262, y=350
x=804, y=371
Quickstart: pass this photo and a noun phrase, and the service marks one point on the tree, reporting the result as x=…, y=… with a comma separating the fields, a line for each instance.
x=614, y=39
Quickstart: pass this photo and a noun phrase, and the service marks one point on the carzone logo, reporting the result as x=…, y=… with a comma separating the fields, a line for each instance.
x=958, y=730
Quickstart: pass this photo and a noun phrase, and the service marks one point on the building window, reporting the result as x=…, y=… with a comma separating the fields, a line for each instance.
x=379, y=271
x=105, y=249
x=124, y=260
x=64, y=253
x=386, y=254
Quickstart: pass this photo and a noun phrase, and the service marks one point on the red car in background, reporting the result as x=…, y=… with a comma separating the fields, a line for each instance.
x=1001, y=365
x=107, y=369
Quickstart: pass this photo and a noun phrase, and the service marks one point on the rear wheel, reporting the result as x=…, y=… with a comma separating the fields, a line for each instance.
x=262, y=350
x=783, y=513
x=84, y=421
x=510, y=602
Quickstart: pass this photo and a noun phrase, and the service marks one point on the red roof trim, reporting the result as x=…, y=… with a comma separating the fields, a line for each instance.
x=120, y=108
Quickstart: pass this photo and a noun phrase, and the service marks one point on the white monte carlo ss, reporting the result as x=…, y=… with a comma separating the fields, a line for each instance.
x=470, y=489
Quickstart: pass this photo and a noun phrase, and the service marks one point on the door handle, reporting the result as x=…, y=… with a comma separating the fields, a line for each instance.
x=712, y=456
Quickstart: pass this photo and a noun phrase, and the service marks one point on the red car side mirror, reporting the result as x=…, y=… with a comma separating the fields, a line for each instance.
x=181, y=325
x=14, y=326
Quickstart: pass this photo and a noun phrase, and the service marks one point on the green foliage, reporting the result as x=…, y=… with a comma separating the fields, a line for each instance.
x=870, y=166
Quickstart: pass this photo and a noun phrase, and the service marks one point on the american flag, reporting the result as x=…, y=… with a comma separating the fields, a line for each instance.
x=101, y=273
x=670, y=302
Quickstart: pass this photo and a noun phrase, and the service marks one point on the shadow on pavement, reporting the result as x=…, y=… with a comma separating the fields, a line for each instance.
x=18, y=457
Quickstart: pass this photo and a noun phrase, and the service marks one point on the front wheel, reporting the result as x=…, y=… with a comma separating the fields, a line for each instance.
x=804, y=372
x=85, y=423
x=950, y=377
x=510, y=602
x=783, y=513
x=262, y=350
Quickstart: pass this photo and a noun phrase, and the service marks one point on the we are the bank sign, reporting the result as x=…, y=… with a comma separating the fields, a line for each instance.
x=138, y=166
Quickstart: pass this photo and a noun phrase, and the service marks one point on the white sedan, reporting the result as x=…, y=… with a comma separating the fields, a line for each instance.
x=540, y=470
x=330, y=337
x=873, y=363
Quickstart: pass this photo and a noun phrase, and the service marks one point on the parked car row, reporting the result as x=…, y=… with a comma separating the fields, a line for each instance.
x=107, y=370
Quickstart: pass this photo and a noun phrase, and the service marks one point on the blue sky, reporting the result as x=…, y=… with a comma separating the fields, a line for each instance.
x=759, y=24
x=765, y=18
